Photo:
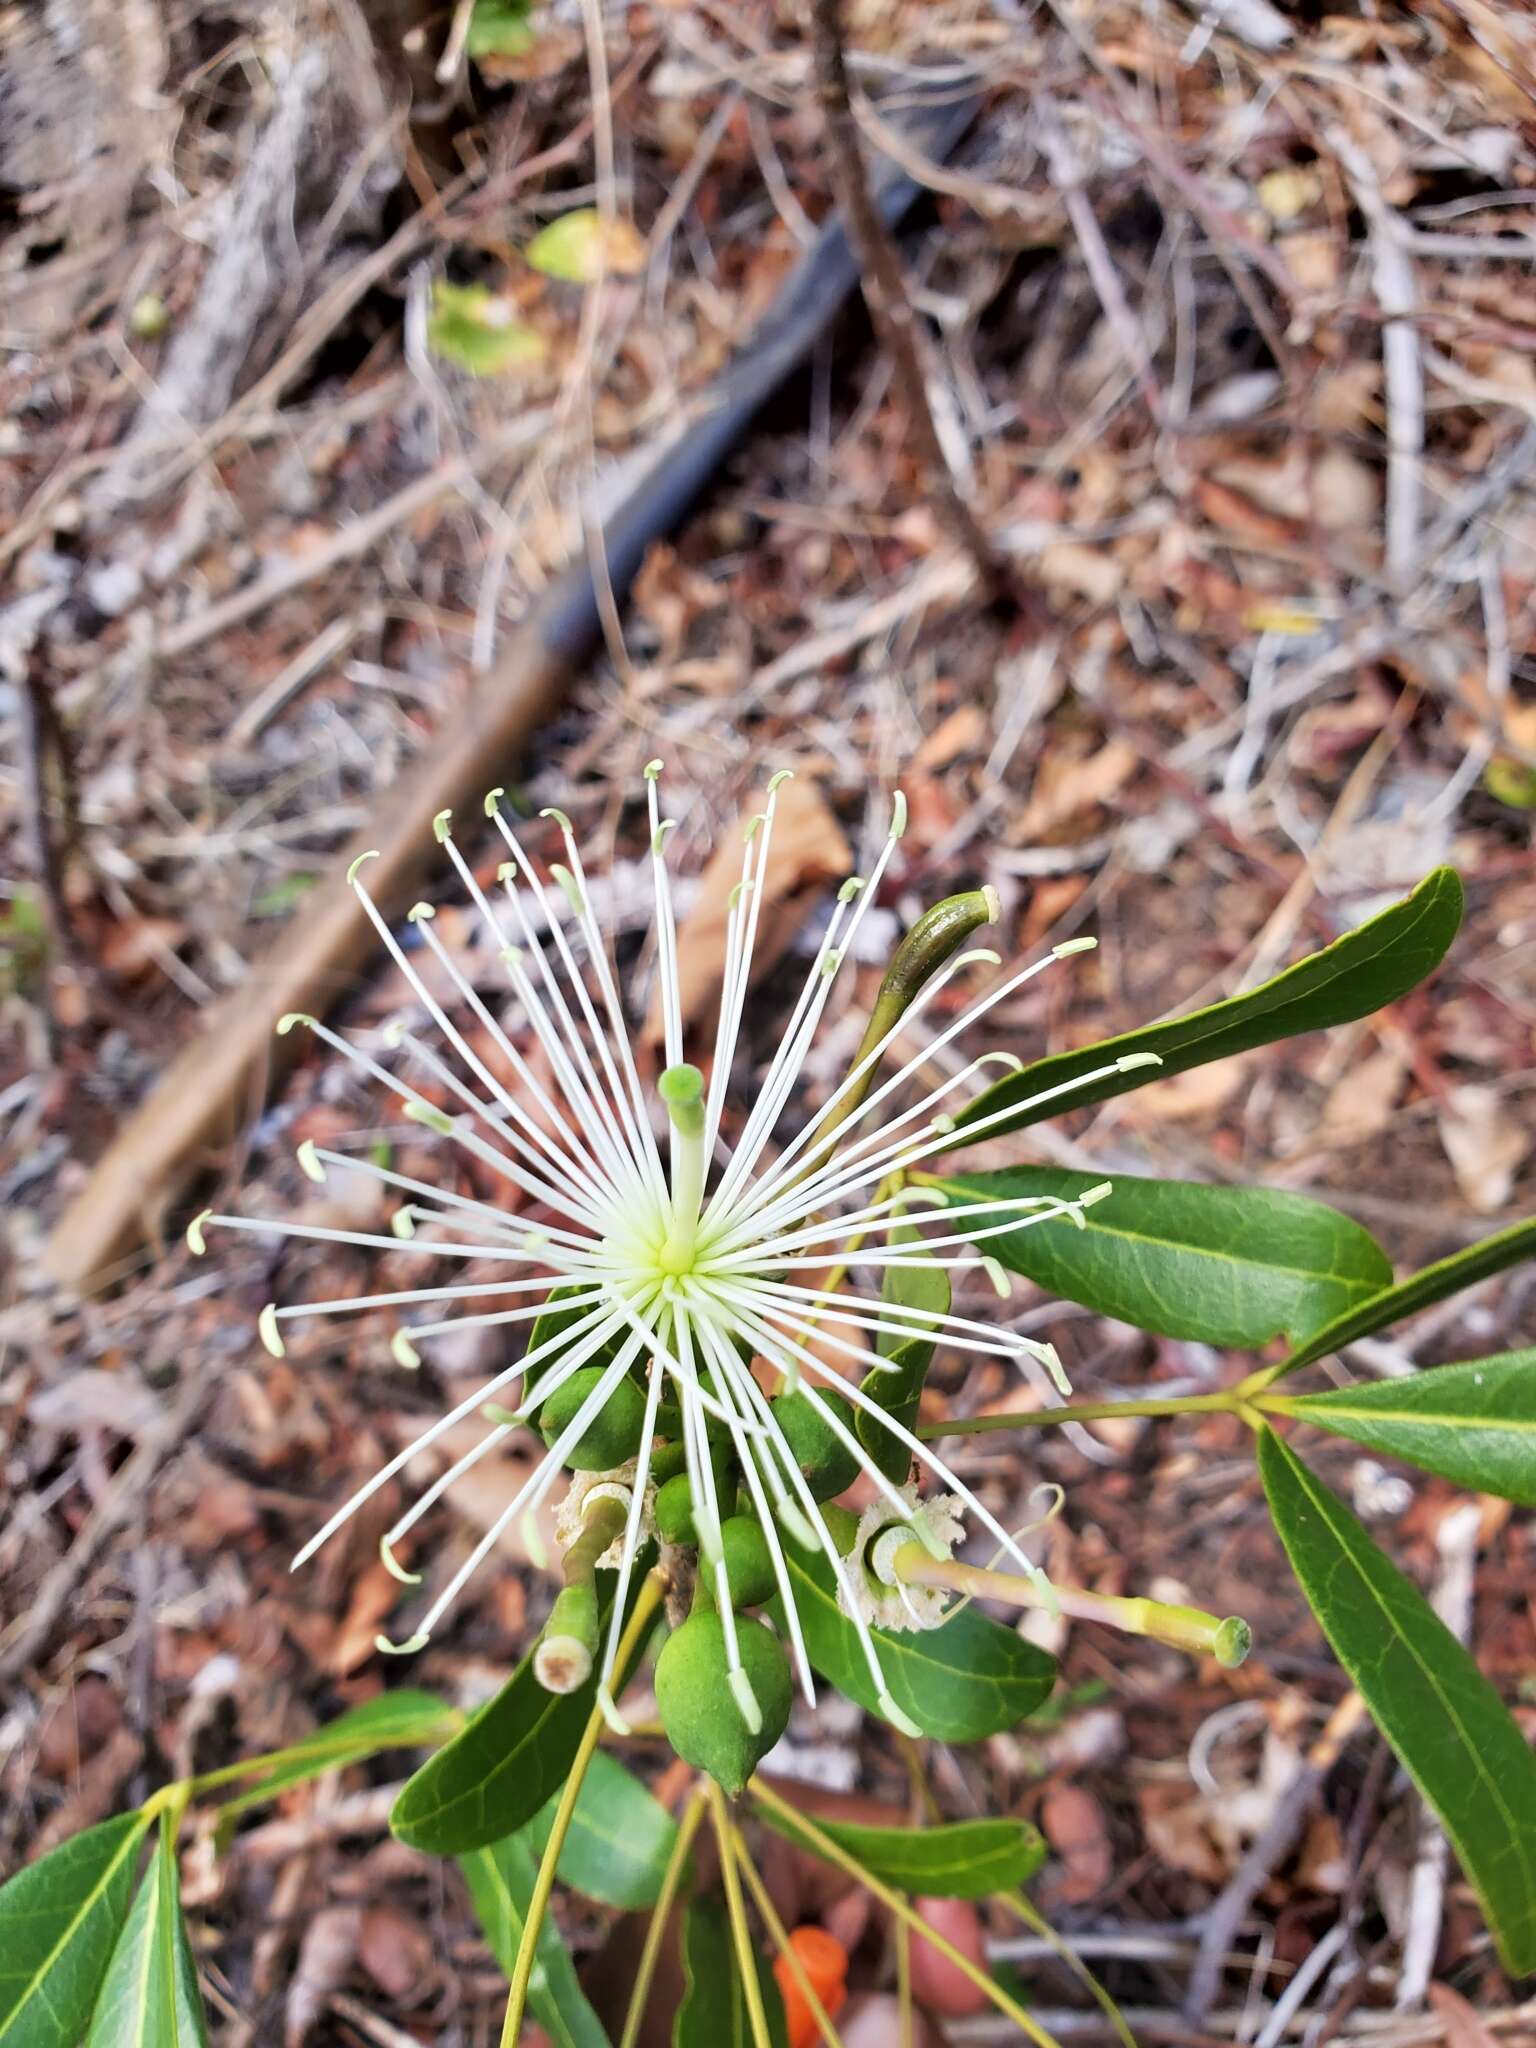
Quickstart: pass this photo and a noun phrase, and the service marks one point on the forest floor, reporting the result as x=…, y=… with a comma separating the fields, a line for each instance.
x=1232, y=314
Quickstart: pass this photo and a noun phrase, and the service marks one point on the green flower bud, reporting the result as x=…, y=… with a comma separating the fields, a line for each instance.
x=613, y=1435
x=699, y=1707
x=828, y=1464
x=674, y=1510
x=748, y=1565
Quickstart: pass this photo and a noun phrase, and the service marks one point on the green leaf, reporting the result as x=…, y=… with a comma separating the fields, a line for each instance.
x=501, y=1879
x=963, y=1859
x=150, y=1998
x=404, y=1719
x=1474, y=1423
x=1232, y=1266
x=1453, y=1733
x=512, y=1757
x=898, y=1384
x=473, y=327
x=1360, y=972
x=619, y=1841
x=59, y=1919
x=969, y=1679
x=500, y=28
x=1420, y=1290
x=713, y=2011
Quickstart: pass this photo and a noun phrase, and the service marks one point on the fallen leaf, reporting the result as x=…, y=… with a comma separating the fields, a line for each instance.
x=1463, y=2028
x=1485, y=1144
x=324, y=1962
x=1361, y=1104
x=396, y=1951
x=808, y=850
x=962, y=732
x=1077, y=1830
x=1063, y=788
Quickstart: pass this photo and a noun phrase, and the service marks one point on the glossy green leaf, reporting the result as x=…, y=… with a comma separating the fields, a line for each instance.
x=969, y=1679
x=1232, y=1266
x=1368, y=967
x=1453, y=1733
x=898, y=1383
x=963, y=1859
x=501, y=1879
x=59, y=1920
x=501, y=28
x=404, y=1719
x=150, y=1997
x=493, y=1777
x=619, y=1841
x=713, y=2012
x=1420, y=1290
x=1474, y=1423
x=473, y=327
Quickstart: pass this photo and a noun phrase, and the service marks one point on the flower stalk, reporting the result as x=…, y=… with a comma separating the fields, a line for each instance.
x=568, y=1646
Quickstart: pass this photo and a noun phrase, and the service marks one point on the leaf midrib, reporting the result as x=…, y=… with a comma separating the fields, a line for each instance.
x=130, y=1844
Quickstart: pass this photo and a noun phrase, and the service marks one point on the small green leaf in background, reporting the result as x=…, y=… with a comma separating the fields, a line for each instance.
x=713, y=2012
x=59, y=1919
x=1511, y=782
x=897, y=1384
x=1420, y=1290
x=580, y=247
x=1372, y=965
x=1456, y=1738
x=473, y=327
x=962, y=1859
x=1474, y=1423
x=967, y=1680
x=501, y=1880
x=150, y=1998
x=1233, y=1266
x=513, y=1756
x=501, y=28
x=402, y=1719
x=620, y=1837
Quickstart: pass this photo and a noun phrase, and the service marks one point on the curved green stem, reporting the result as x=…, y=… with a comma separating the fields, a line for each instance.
x=833, y=1852
x=650, y=1952
x=736, y=1912
x=781, y=1940
x=1227, y=1402
x=646, y=1604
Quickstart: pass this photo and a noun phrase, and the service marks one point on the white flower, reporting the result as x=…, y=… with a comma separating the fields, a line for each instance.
x=881, y=1597
x=670, y=1269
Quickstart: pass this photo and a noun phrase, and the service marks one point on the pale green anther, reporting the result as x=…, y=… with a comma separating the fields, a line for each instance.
x=504, y=1418
x=371, y=854
x=419, y=913
x=405, y=1649
x=681, y=1088
x=753, y=827
x=266, y=1329
x=850, y=889
x=1050, y=1358
x=798, y=1524
x=659, y=836
x=507, y=871
x=568, y=887
x=831, y=964
x=393, y=1033
x=898, y=814
x=403, y=1223
x=511, y=956
x=1091, y=1195
x=433, y=1118
x=738, y=890
x=309, y=1161
x=744, y=1696
x=1128, y=1062
x=1070, y=946
x=442, y=825
x=286, y=1022
x=944, y=1123
x=196, y=1242
x=653, y=769
x=998, y=1274
x=554, y=811
x=493, y=799
x=780, y=777
x=394, y=1567
x=404, y=1352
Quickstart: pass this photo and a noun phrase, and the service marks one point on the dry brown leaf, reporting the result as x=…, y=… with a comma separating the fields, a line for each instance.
x=325, y=1960
x=374, y=1597
x=1199, y=1092
x=1065, y=787
x=396, y=1951
x=1075, y=1826
x=808, y=850
x=962, y=732
x=1463, y=2028
x=1361, y=1104
x=1485, y=1144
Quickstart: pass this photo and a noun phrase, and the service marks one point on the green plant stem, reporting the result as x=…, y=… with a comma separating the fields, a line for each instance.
x=741, y=1934
x=904, y=1984
x=347, y=1749
x=661, y=1912
x=1021, y=1909
x=781, y=1940
x=1228, y=1402
x=646, y=1604
x=833, y=1852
